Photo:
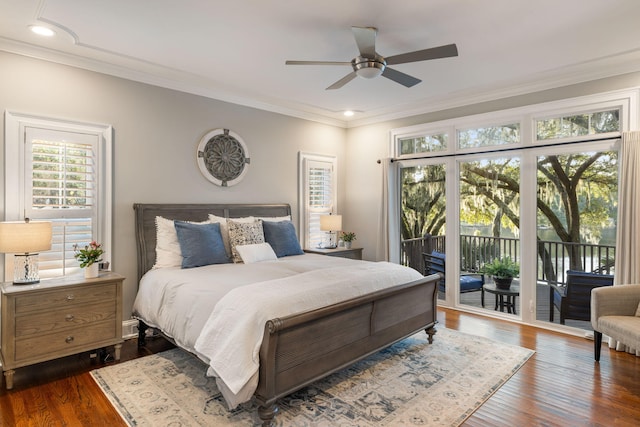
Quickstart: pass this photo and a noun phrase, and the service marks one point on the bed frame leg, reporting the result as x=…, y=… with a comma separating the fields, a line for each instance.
x=431, y=331
x=142, y=333
x=267, y=413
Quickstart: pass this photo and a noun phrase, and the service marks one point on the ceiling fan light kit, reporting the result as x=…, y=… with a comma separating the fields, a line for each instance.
x=368, y=68
x=369, y=64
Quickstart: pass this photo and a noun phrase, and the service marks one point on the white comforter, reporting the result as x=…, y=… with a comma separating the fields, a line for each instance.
x=219, y=311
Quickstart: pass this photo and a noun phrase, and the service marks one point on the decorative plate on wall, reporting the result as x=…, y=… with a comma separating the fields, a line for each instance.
x=223, y=157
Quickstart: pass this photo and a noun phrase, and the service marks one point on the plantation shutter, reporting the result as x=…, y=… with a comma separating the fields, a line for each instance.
x=61, y=186
x=320, y=197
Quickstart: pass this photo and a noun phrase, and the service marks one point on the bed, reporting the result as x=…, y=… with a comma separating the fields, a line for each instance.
x=299, y=347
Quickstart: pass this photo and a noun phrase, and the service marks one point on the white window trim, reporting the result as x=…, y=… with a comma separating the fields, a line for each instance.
x=15, y=124
x=304, y=157
x=627, y=100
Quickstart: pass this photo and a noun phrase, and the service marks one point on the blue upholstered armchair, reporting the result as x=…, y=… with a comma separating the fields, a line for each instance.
x=573, y=300
x=435, y=262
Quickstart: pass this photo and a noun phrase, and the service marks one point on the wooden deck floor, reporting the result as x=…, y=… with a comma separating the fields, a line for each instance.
x=542, y=306
x=560, y=385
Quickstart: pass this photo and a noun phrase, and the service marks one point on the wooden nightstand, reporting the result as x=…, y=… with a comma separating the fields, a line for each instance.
x=59, y=317
x=353, y=253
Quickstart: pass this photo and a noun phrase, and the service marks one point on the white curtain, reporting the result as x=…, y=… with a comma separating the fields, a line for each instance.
x=385, y=251
x=627, y=268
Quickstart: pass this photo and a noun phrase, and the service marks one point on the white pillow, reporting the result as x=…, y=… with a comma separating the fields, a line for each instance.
x=275, y=218
x=168, y=252
x=256, y=253
x=224, y=228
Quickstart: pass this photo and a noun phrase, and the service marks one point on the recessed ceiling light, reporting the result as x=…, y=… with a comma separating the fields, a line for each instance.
x=42, y=31
x=348, y=113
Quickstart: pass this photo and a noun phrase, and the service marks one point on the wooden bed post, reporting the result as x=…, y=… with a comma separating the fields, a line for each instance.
x=431, y=331
x=267, y=414
x=142, y=333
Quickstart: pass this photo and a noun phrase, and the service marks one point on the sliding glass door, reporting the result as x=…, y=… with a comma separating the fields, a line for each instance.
x=423, y=220
x=577, y=198
x=489, y=231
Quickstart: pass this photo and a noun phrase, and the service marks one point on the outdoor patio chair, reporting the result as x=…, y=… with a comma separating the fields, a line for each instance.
x=435, y=262
x=573, y=300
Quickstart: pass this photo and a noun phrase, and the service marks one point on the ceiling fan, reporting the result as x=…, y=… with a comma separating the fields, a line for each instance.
x=369, y=64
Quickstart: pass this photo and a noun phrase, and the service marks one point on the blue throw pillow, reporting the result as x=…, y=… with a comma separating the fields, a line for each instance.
x=281, y=235
x=200, y=244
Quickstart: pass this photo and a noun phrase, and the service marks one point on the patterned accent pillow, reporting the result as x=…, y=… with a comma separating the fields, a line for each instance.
x=224, y=229
x=244, y=233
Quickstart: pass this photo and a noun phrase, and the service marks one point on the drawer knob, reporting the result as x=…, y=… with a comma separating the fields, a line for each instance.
x=70, y=297
x=69, y=317
x=69, y=339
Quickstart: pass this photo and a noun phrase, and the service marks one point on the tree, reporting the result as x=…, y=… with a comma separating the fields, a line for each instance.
x=576, y=198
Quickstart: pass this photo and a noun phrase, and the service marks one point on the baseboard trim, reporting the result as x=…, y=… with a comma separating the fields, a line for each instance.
x=129, y=329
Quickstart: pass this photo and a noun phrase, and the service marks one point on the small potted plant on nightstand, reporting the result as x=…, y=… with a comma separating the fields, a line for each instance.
x=503, y=271
x=89, y=256
x=348, y=237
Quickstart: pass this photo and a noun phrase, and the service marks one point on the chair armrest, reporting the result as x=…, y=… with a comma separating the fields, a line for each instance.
x=559, y=289
x=621, y=300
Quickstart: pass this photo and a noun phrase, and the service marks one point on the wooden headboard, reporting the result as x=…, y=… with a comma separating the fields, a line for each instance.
x=145, y=217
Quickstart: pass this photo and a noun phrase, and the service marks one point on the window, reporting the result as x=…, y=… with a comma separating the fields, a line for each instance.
x=489, y=136
x=537, y=185
x=317, y=195
x=576, y=125
x=62, y=171
x=423, y=144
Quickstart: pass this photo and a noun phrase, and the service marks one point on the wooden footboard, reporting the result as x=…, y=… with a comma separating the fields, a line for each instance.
x=300, y=349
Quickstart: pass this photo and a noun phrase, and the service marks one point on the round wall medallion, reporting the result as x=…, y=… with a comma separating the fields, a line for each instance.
x=223, y=157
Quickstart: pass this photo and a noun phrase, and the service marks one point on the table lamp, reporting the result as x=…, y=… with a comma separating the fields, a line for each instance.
x=25, y=239
x=331, y=224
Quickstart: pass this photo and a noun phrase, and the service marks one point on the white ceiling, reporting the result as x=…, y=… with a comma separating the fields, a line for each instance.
x=236, y=50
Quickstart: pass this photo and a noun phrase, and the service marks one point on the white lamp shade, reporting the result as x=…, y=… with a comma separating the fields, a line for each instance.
x=23, y=237
x=331, y=222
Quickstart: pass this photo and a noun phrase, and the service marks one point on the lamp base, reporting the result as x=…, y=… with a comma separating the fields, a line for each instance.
x=25, y=270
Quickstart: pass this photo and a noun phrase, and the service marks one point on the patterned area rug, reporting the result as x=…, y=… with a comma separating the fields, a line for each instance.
x=412, y=383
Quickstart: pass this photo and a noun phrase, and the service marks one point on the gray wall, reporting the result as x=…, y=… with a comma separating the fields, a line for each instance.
x=156, y=133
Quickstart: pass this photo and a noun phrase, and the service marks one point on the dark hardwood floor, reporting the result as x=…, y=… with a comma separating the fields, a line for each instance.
x=560, y=385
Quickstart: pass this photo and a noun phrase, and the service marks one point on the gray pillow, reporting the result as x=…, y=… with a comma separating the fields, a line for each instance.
x=200, y=244
x=282, y=237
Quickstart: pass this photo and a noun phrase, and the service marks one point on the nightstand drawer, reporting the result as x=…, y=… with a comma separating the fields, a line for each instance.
x=70, y=317
x=64, y=297
x=64, y=342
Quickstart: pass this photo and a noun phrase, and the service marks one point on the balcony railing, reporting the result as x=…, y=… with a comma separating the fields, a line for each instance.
x=554, y=258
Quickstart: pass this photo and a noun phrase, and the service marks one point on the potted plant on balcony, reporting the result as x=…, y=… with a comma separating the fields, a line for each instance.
x=503, y=271
x=348, y=237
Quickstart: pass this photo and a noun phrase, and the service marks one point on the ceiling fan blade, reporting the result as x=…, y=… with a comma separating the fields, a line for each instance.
x=445, y=51
x=398, y=77
x=316, y=63
x=366, y=40
x=343, y=81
